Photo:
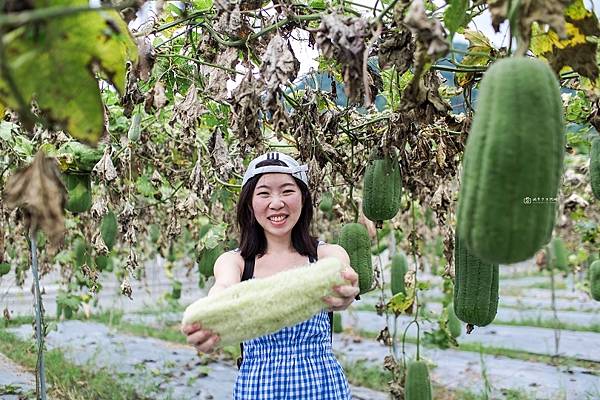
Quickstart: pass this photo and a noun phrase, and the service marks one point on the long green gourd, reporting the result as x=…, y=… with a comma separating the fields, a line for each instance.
x=595, y=167
x=418, y=385
x=454, y=325
x=399, y=269
x=559, y=254
x=475, y=287
x=261, y=306
x=382, y=188
x=595, y=280
x=354, y=238
x=512, y=163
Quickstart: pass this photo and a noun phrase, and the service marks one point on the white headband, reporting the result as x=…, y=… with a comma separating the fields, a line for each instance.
x=293, y=167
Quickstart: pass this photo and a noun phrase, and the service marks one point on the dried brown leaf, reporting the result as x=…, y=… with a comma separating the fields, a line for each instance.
x=428, y=31
x=156, y=178
x=577, y=50
x=160, y=98
x=99, y=207
x=499, y=12
x=343, y=38
x=397, y=49
x=126, y=288
x=189, y=206
x=143, y=69
x=132, y=261
x=126, y=217
x=174, y=227
x=232, y=22
x=41, y=195
x=104, y=168
x=246, y=110
x=219, y=153
x=424, y=93
x=217, y=77
x=99, y=245
x=549, y=12
x=188, y=110
x=196, y=181
x=279, y=67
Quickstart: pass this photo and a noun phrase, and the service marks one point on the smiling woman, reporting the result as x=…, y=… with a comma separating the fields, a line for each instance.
x=274, y=214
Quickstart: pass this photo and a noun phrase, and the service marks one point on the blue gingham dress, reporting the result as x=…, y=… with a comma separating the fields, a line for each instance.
x=294, y=363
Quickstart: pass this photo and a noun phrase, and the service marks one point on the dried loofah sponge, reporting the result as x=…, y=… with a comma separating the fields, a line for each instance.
x=261, y=306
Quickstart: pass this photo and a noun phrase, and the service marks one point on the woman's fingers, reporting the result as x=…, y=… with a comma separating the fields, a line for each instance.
x=199, y=337
x=338, y=303
x=202, y=339
x=208, y=345
x=190, y=328
x=347, y=291
x=350, y=275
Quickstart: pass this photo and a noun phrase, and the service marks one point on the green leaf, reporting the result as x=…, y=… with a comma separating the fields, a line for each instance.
x=401, y=302
x=455, y=16
x=6, y=129
x=480, y=53
x=54, y=62
x=214, y=236
x=317, y=4
x=23, y=146
x=203, y=5
x=144, y=186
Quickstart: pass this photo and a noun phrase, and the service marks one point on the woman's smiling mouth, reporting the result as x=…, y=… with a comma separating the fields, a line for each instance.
x=277, y=219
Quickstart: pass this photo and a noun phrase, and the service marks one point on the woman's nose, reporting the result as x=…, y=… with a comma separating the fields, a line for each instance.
x=276, y=202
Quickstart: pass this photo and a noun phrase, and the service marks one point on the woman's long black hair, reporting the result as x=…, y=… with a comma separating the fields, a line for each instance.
x=252, y=236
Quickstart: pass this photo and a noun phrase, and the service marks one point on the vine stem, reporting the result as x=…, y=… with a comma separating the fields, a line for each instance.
x=414, y=254
x=416, y=301
x=40, y=372
x=385, y=11
x=26, y=17
x=264, y=31
x=387, y=314
x=196, y=60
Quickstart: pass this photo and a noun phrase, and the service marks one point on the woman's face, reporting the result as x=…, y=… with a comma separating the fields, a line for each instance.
x=277, y=203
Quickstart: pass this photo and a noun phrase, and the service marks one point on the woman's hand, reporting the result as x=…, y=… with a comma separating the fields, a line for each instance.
x=203, y=340
x=345, y=293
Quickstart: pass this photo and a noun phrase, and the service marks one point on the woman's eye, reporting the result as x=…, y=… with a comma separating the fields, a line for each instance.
x=288, y=191
x=263, y=194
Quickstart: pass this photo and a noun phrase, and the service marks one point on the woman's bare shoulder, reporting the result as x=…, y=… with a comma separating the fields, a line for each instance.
x=230, y=260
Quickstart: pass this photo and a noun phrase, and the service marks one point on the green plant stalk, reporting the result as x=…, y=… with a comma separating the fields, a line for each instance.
x=40, y=371
x=198, y=61
x=385, y=11
x=553, y=304
x=387, y=314
x=416, y=301
x=487, y=387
